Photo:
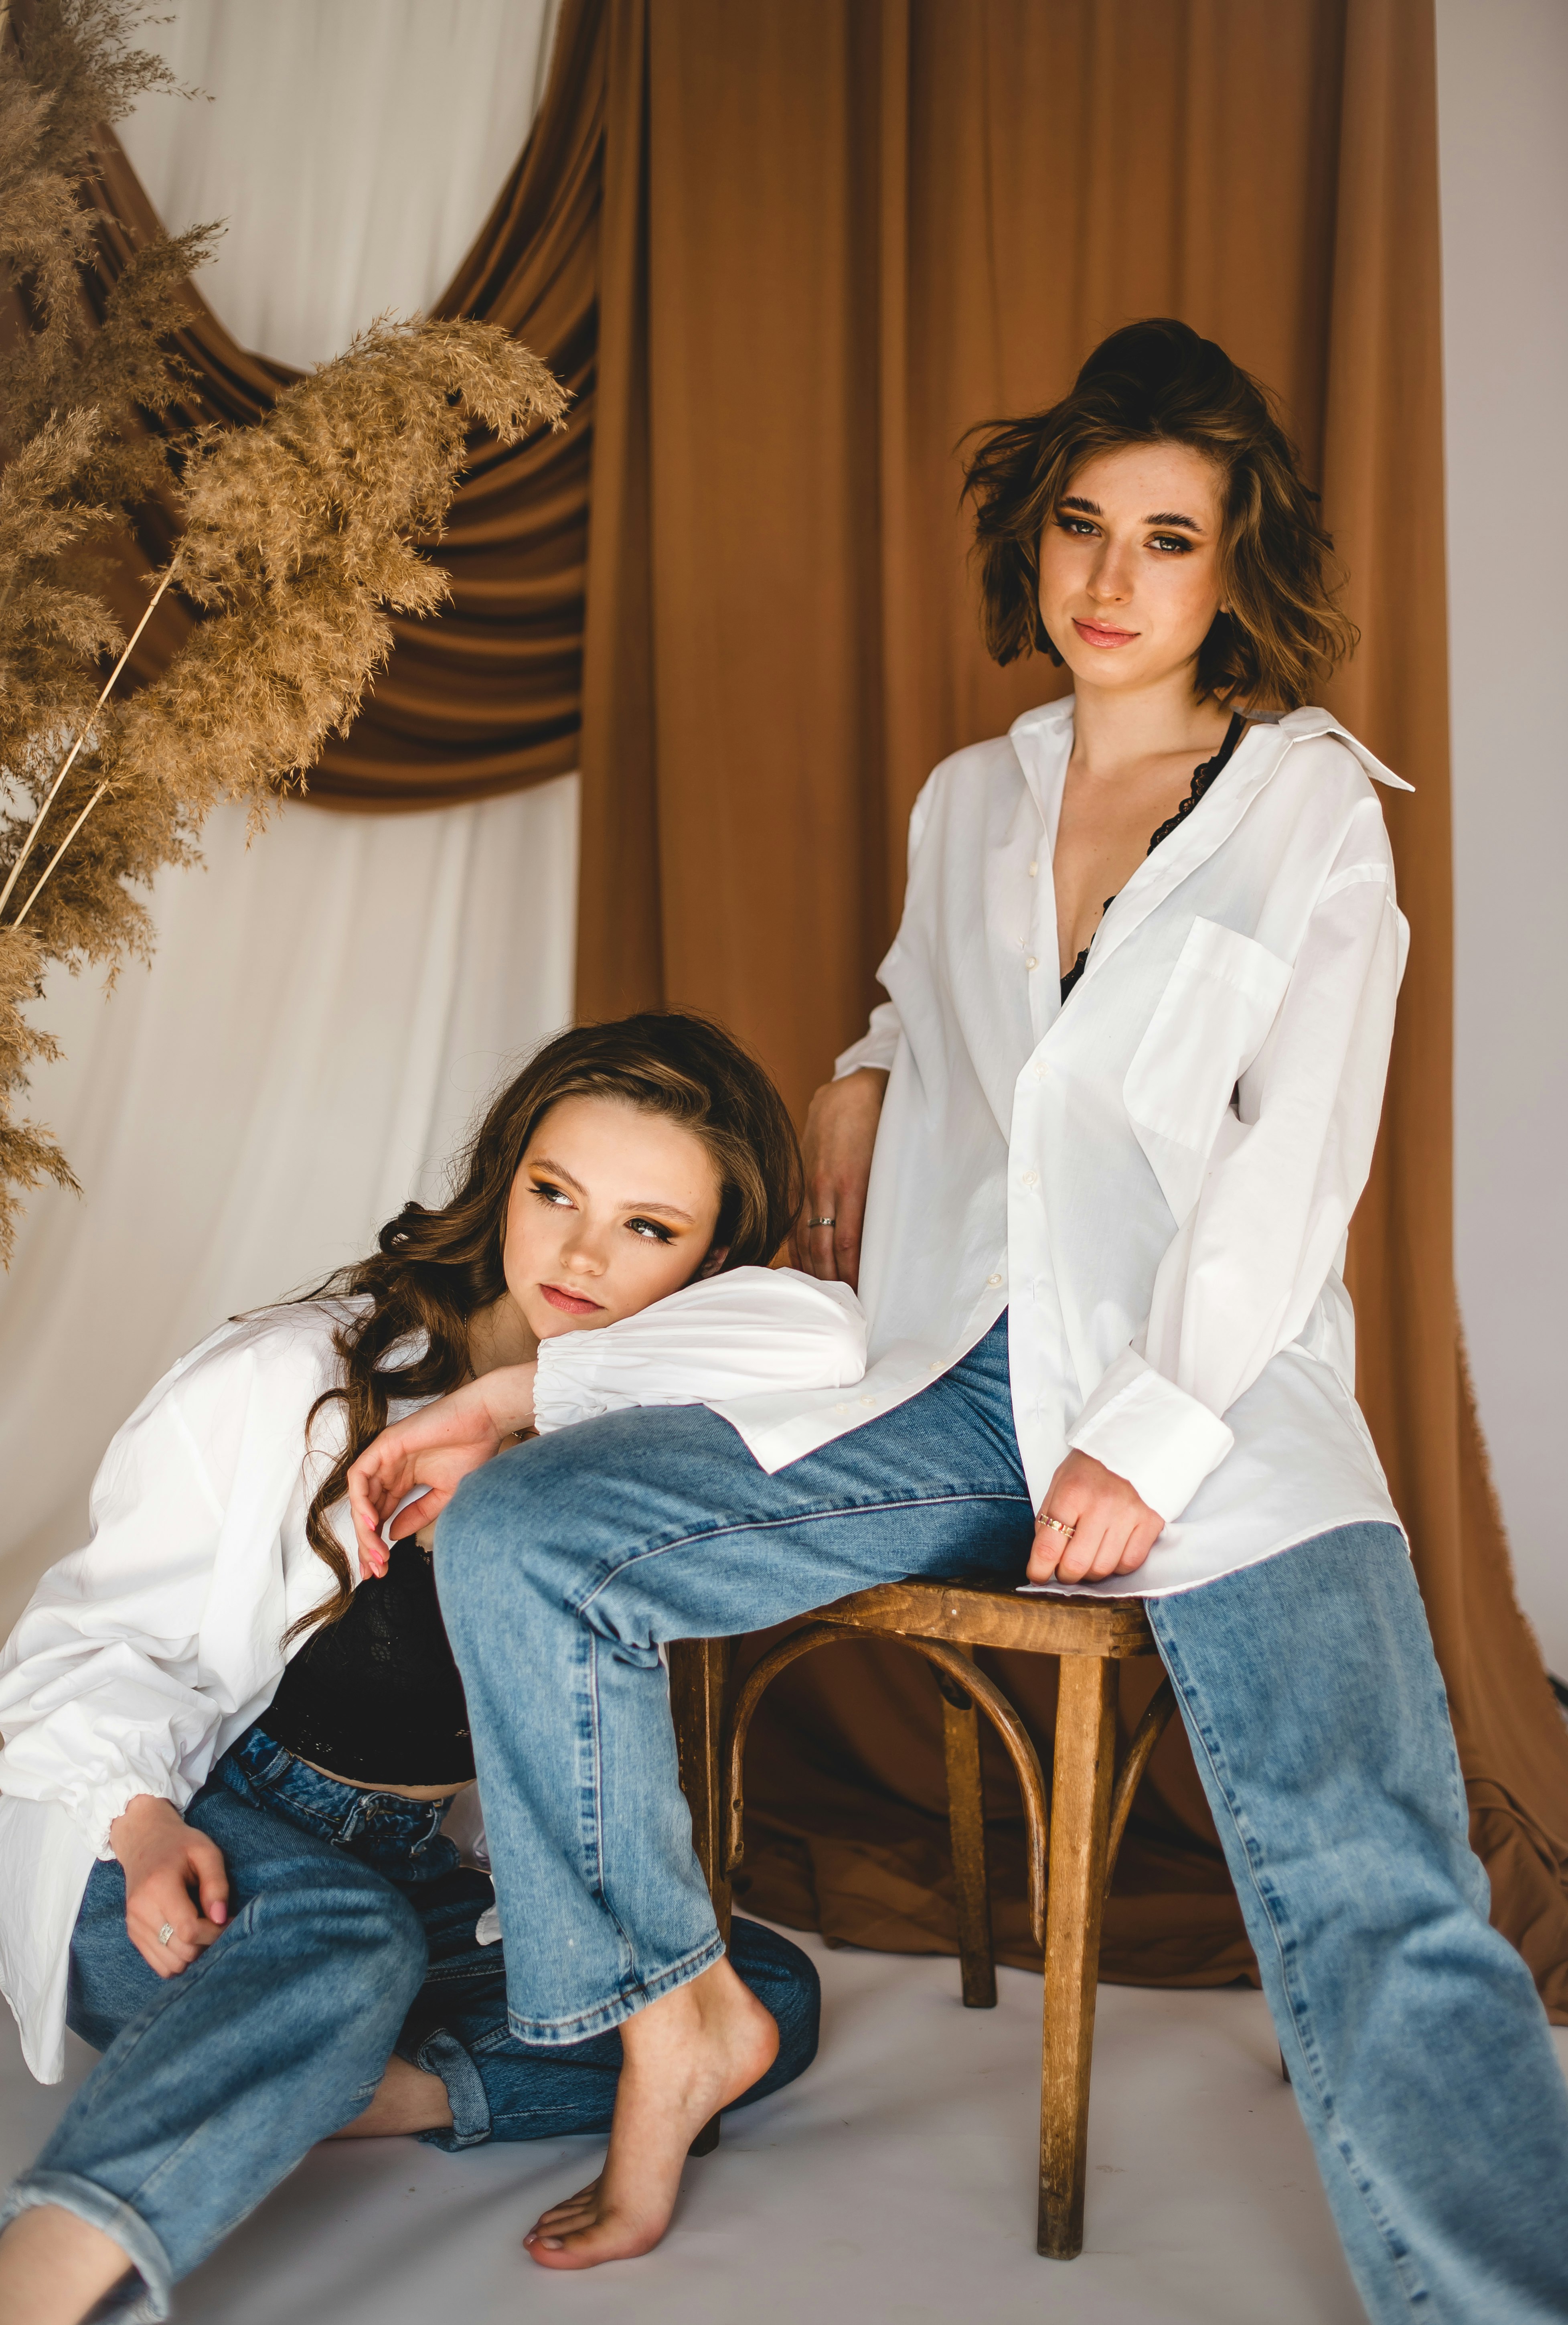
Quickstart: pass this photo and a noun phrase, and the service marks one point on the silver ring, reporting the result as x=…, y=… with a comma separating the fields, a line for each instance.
x=821, y=1223
x=1058, y=1525
x=165, y=1933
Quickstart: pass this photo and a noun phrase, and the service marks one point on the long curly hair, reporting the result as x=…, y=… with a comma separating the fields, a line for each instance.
x=1159, y=382
x=434, y=1269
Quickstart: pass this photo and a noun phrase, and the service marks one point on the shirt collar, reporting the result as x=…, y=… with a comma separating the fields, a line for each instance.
x=1303, y=726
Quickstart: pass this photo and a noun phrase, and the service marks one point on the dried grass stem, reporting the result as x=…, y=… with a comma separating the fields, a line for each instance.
x=54, y=792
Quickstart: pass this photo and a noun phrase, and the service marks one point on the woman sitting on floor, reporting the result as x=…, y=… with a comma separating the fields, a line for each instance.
x=222, y=1799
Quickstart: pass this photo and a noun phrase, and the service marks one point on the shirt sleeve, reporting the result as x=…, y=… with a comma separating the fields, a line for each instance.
x=733, y=1335
x=879, y=1044
x=1248, y=1264
x=102, y=1690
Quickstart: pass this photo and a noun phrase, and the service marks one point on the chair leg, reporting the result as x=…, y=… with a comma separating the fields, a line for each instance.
x=698, y=1669
x=1084, y=1762
x=966, y=1824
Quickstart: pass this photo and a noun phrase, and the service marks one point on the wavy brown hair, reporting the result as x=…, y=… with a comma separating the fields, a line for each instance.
x=1151, y=383
x=433, y=1270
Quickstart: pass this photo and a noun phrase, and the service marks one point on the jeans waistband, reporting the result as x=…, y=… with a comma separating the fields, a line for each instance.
x=401, y=1838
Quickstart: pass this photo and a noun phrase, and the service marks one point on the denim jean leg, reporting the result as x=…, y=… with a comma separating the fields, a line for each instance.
x=502, y=2088
x=1418, y=2050
x=564, y=1566
x=218, y=2080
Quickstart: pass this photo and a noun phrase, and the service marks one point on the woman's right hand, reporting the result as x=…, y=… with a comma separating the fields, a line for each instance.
x=436, y=1448
x=165, y=1860
x=841, y=1130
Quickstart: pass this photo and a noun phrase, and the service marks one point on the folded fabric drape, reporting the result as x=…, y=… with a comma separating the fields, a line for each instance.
x=785, y=255
x=485, y=699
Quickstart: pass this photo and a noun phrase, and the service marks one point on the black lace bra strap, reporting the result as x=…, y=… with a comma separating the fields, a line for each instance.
x=1202, y=778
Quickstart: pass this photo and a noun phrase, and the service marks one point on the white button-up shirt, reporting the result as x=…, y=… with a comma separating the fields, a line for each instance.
x=141, y=1658
x=1156, y=1176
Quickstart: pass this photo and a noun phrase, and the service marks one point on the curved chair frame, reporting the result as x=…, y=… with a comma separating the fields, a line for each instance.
x=973, y=1688
x=1074, y=1830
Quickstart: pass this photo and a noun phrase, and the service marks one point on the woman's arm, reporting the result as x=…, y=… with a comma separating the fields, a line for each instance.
x=734, y=1335
x=841, y=1131
x=739, y=1334
x=1248, y=1264
x=165, y=1861
x=434, y=1449
x=841, y=1124
x=119, y=1673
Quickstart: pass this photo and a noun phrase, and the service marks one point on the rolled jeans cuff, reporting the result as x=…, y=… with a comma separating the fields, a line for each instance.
x=143, y=2251
x=561, y=2034
x=442, y=2054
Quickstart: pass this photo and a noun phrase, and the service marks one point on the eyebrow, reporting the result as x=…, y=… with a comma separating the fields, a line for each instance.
x=1163, y=516
x=655, y=1203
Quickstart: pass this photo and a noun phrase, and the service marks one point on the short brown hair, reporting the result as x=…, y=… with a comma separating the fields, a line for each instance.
x=433, y=1268
x=1149, y=383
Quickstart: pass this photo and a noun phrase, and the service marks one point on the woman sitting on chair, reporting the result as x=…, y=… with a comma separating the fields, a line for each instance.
x=1107, y=1134
x=222, y=1798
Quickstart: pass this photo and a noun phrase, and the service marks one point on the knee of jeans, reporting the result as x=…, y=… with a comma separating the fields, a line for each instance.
x=498, y=1532
x=401, y=1954
x=372, y=1926
x=485, y=1511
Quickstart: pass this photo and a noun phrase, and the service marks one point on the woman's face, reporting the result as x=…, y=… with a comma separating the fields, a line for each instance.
x=611, y=1209
x=1130, y=565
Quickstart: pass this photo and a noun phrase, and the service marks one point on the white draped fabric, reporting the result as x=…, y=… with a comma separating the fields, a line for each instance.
x=325, y=1008
x=353, y=148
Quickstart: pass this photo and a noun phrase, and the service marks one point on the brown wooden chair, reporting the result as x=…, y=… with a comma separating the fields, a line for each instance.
x=1074, y=1826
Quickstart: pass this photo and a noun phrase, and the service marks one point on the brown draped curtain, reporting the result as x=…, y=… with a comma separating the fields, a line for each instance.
x=488, y=698
x=787, y=255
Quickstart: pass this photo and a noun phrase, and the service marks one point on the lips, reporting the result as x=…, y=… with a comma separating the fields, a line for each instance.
x=570, y=1303
x=1101, y=633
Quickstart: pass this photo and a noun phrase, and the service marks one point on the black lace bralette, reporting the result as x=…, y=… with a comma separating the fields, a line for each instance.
x=377, y=1697
x=1202, y=778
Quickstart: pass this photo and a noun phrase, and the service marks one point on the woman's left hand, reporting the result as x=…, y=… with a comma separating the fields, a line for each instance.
x=437, y=1448
x=1114, y=1529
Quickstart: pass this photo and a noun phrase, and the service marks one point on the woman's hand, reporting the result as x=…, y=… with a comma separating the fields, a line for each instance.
x=1115, y=1533
x=841, y=1130
x=436, y=1448
x=165, y=1861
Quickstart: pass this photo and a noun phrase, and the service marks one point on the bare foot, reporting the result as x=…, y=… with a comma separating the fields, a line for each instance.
x=686, y=2056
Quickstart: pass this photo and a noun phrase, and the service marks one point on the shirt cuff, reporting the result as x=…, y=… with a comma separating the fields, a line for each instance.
x=1162, y=1440
x=878, y=1046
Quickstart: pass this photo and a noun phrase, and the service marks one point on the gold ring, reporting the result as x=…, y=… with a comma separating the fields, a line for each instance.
x=821, y=1223
x=1058, y=1525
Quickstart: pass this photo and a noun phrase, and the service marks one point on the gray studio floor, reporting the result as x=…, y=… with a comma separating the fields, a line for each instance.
x=892, y=2186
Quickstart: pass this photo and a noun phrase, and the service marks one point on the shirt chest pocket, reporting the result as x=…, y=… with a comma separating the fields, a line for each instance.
x=1211, y=1021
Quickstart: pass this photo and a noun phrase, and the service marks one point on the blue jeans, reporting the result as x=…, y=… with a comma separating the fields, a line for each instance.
x=352, y=1936
x=1418, y=2050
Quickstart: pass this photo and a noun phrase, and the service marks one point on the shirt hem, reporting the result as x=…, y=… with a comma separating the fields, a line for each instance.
x=1135, y=1585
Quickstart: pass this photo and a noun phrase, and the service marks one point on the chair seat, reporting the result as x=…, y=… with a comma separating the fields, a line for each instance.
x=996, y=1615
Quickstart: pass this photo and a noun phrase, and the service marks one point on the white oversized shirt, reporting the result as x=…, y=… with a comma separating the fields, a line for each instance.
x=140, y=1659
x=1154, y=1178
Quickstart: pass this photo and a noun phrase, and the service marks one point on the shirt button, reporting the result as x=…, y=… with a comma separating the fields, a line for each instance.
x=1033, y=869
x=1032, y=1178
x=1031, y=962
x=994, y=1281
x=868, y=1400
